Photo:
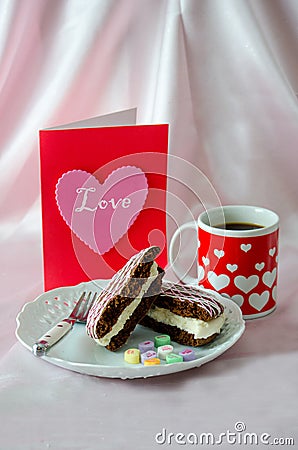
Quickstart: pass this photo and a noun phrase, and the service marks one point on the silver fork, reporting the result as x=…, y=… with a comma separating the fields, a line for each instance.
x=78, y=314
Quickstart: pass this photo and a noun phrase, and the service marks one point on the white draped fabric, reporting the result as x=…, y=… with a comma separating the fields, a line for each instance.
x=224, y=75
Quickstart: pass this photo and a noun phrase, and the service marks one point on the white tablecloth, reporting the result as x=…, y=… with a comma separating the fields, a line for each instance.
x=44, y=406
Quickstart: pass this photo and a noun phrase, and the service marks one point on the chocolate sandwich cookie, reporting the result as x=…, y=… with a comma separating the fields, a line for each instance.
x=188, y=314
x=126, y=300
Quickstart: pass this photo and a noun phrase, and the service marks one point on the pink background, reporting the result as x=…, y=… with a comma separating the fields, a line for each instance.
x=224, y=75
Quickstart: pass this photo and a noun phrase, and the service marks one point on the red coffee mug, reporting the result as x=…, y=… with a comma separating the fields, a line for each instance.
x=237, y=256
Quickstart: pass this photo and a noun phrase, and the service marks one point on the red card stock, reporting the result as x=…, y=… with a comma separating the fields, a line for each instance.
x=103, y=190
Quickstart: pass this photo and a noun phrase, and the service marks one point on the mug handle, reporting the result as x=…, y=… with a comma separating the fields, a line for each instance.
x=187, y=279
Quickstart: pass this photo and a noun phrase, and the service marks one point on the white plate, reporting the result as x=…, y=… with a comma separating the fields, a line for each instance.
x=78, y=352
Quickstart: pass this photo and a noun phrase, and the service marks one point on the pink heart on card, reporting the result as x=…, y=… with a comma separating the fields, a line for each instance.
x=100, y=214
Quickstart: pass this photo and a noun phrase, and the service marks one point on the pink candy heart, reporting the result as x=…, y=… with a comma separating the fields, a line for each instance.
x=100, y=214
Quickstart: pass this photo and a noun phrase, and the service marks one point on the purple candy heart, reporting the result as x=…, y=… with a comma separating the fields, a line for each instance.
x=188, y=354
x=148, y=355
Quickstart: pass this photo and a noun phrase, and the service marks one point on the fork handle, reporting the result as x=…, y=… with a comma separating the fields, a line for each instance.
x=52, y=336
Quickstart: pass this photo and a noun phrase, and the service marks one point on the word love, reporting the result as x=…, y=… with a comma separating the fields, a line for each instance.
x=102, y=204
x=99, y=214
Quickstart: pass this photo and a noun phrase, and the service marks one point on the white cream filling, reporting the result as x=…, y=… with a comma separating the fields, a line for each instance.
x=127, y=312
x=199, y=328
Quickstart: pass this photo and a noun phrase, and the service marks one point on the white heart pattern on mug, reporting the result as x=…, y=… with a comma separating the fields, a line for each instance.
x=258, y=301
x=239, y=299
x=272, y=251
x=219, y=253
x=224, y=294
x=201, y=273
x=218, y=281
x=274, y=293
x=245, y=247
x=260, y=266
x=206, y=261
x=246, y=284
x=232, y=267
x=269, y=277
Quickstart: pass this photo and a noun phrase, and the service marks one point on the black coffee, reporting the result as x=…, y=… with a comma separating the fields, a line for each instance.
x=240, y=226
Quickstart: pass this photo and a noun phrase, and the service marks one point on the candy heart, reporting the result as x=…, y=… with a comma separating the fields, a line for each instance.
x=100, y=214
x=232, y=267
x=258, y=301
x=219, y=253
x=246, y=284
x=245, y=247
x=218, y=281
x=239, y=299
x=260, y=266
x=269, y=277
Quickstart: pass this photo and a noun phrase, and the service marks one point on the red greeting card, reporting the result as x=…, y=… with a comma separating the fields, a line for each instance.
x=103, y=189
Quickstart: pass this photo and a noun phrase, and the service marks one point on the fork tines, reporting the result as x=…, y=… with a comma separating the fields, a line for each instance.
x=83, y=306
